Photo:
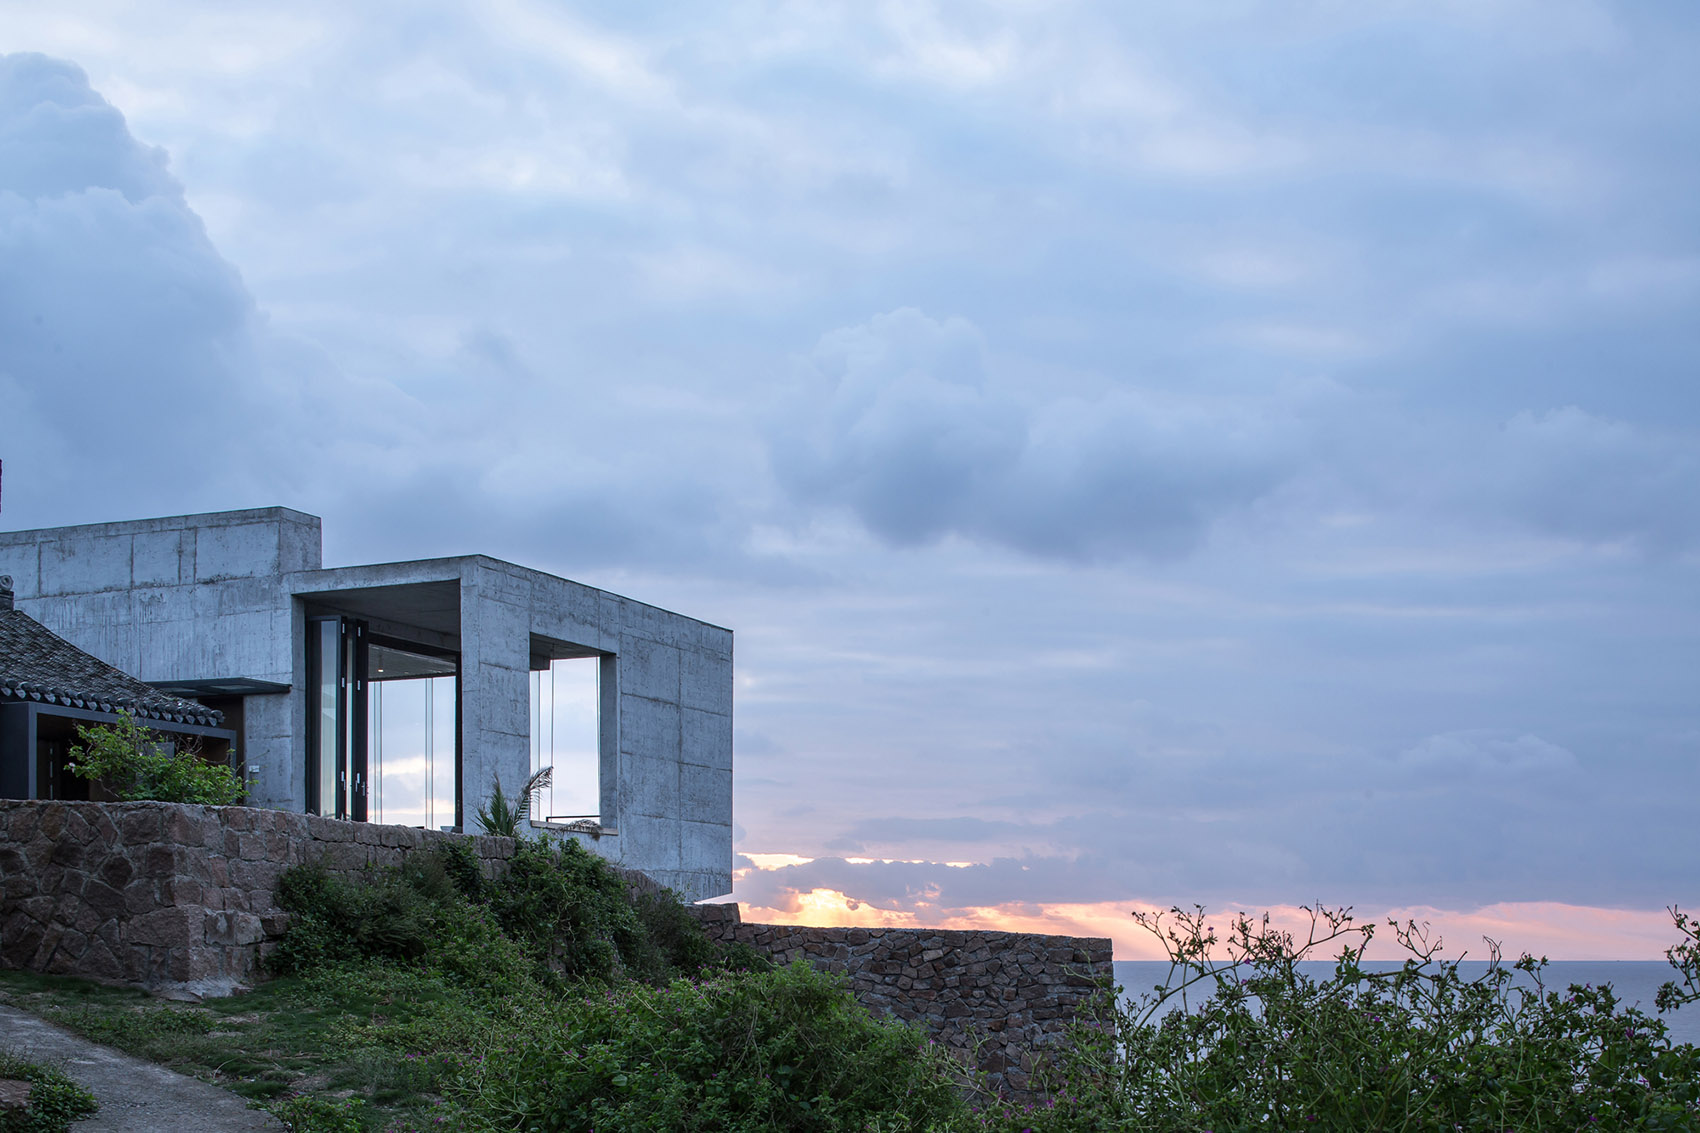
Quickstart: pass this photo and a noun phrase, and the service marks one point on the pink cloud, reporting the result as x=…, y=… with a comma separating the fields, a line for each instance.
x=1541, y=928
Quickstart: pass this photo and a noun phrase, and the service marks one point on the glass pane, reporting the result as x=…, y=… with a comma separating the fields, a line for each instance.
x=441, y=778
x=328, y=641
x=346, y=773
x=401, y=752
x=564, y=728
x=411, y=729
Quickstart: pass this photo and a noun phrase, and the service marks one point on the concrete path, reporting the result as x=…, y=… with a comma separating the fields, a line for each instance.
x=134, y=1096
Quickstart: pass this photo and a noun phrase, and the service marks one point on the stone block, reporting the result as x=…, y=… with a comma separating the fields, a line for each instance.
x=66, y=957
x=100, y=962
x=67, y=851
x=20, y=941
x=188, y=964
x=188, y=826
x=25, y=821
x=233, y=928
x=141, y=824
x=115, y=872
x=168, y=928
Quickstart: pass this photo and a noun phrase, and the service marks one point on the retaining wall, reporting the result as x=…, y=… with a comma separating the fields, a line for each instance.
x=1001, y=1000
x=174, y=898
x=179, y=899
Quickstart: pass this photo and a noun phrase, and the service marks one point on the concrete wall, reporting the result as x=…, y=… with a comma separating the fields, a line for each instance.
x=667, y=711
x=225, y=595
x=170, y=599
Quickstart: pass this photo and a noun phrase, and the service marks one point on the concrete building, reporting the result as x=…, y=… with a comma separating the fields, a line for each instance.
x=401, y=692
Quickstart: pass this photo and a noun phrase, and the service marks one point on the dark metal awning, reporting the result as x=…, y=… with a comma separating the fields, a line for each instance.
x=220, y=686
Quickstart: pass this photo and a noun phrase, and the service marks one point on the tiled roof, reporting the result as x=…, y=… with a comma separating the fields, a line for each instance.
x=38, y=664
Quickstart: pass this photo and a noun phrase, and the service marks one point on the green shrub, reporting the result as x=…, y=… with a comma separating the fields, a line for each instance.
x=557, y=913
x=781, y=1050
x=503, y=816
x=1416, y=1049
x=54, y=1102
x=309, y=1114
x=136, y=764
x=413, y=914
x=674, y=944
x=1684, y=956
x=569, y=911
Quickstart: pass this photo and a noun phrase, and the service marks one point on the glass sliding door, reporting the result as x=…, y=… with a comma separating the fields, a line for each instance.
x=336, y=717
x=412, y=735
x=383, y=727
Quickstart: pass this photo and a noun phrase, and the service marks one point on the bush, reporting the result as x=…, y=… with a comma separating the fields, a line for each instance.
x=1415, y=1049
x=55, y=1100
x=576, y=918
x=558, y=914
x=308, y=1114
x=137, y=764
x=413, y=914
x=569, y=911
x=730, y=1053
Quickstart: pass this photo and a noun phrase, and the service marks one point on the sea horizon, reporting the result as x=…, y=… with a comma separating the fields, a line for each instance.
x=1635, y=982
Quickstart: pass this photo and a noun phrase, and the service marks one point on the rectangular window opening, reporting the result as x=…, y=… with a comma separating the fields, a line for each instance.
x=411, y=729
x=383, y=727
x=565, y=735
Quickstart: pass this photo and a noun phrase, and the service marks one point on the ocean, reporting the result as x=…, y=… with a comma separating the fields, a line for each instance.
x=1635, y=983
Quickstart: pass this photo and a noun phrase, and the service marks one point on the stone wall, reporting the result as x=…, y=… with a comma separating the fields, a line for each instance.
x=173, y=898
x=1002, y=1000
x=178, y=899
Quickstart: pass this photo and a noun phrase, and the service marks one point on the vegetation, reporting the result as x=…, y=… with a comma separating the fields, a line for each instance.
x=1417, y=1048
x=501, y=815
x=136, y=763
x=54, y=1100
x=550, y=998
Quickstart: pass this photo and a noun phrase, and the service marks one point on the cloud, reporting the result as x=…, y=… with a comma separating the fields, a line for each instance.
x=127, y=344
x=903, y=425
x=1589, y=477
x=59, y=138
x=141, y=377
x=1485, y=754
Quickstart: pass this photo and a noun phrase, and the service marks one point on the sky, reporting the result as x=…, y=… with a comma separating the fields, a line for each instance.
x=1243, y=454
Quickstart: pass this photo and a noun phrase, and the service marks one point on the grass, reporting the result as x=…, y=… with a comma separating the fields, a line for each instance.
x=292, y=1035
x=55, y=1100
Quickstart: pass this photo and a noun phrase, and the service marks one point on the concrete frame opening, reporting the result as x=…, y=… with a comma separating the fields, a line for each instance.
x=569, y=688
x=383, y=726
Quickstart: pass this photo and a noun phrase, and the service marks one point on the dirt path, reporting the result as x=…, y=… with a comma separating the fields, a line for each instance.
x=134, y=1096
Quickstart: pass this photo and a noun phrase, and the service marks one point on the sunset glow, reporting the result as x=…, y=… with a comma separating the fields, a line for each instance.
x=1540, y=928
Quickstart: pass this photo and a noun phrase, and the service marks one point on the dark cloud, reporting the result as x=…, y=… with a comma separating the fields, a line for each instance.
x=1582, y=476
x=904, y=427
x=127, y=344
x=140, y=378
x=59, y=138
